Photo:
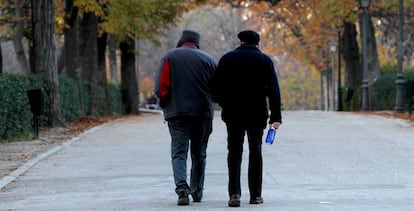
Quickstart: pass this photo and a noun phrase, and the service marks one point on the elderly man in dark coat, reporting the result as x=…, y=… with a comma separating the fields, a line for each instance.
x=243, y=85
x=183, y=86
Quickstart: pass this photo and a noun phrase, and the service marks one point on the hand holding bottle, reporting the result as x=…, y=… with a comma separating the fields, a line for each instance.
x=271, y=133
x=275, y=125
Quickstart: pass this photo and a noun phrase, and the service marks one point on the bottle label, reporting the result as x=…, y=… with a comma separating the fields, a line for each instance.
x=270, y=136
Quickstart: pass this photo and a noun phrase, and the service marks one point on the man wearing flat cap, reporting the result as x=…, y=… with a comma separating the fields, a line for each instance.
x=182, y=84
x=244, y=82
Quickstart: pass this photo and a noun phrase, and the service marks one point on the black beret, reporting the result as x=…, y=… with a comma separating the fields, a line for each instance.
x=249, y=37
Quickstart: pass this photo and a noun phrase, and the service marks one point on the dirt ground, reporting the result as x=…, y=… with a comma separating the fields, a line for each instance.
x=15, y=154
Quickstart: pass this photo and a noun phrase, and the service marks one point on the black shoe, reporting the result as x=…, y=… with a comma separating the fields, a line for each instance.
x=256, y=200
x=234, y=200
x=183, y=199
x=196, y=198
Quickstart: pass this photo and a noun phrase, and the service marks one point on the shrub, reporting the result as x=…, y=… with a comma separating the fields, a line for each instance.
x=385, y=91
x=116, y=99
x=15, y=114
x=16, y=117
x=385, y=88
x=69, y=99
x=72, y=108
x=351, y=98
x=409, y=90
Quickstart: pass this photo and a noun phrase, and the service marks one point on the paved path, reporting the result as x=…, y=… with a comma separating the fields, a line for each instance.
x=320, y=161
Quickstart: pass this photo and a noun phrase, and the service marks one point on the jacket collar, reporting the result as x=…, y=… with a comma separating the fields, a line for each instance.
x=248, y=47
x=189, y=44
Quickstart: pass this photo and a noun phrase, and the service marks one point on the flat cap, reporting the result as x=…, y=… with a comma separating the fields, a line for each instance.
x=249, y=37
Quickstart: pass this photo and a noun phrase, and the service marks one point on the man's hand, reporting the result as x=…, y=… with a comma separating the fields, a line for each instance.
x=275, y=125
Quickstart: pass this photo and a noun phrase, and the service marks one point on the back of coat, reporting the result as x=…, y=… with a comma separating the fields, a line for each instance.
x=190, y=75
x=244, y=80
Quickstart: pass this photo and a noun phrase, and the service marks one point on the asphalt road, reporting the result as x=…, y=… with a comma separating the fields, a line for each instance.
x=319, y=161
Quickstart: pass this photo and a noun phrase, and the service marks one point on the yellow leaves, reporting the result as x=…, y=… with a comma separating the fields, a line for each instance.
x=127, y=18
x=60, y=23
x=146, y=85
x=3, y=4
x=299, y=87
x=59, y=16
x=87, y=6
x=305, y=27
x=60, y=20
x=261, y=6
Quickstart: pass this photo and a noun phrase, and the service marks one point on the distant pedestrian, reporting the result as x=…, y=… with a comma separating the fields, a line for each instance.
x=243, y=83
x=183, y=86
x=152, y=102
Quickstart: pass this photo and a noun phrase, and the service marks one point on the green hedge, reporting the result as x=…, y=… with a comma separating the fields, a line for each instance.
x=351, y=98
x=385, y=91
x=116, y=99
x=70, y=105
x=15, y=115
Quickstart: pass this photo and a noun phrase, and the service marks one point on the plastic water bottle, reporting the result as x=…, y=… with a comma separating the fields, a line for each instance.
x=271, y=133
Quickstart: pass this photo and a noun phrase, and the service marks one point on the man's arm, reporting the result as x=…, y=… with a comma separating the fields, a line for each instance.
x=163, y=83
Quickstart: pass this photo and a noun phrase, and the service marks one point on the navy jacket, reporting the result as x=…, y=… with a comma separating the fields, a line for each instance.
x=244, y=84
x=183, y=82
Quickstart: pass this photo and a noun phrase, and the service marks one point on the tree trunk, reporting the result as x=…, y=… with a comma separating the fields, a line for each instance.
x=352, y=61
x=353, y=70
x=1, y=60
x=17, y=40
x=129, y=83
x=102, y=70
x=61, y=62
x=89, y=59
x=112, y=59
x=45, y=55
x=70, y=54
x=373, y=63
x=137, y=65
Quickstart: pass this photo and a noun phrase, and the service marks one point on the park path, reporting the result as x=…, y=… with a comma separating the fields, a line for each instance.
x=319, y=161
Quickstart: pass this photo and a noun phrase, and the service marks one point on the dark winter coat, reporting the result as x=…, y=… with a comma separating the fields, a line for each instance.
x=182, y=82
x=243, y=83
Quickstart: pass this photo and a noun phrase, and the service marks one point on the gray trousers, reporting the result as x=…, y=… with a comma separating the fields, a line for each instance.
x=189, y=132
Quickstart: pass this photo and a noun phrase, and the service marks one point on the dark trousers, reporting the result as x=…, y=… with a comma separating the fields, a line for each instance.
x=235, y=142
x=182, y=130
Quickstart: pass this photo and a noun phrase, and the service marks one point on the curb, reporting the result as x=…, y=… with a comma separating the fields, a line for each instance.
x=30, y=163
x=155, y=111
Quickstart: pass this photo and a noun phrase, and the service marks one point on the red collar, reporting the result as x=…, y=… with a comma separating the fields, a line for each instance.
x=190, y=43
